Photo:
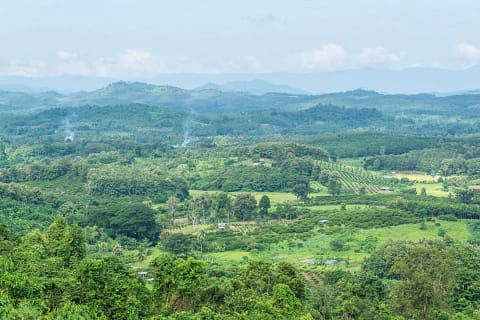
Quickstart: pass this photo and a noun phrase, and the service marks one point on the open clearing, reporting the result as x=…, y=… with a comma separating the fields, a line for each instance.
x=312, y=251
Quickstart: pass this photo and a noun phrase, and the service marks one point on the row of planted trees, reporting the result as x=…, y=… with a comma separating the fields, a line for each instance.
x=224, y=207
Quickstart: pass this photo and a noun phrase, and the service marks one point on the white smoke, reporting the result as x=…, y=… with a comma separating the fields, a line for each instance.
x=69, y=133
x=187, y=125
x=186, y=137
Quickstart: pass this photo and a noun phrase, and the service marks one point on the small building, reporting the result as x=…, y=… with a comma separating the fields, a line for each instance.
x=262, y=162
x=222, y=226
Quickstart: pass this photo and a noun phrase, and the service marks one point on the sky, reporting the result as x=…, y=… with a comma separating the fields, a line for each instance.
x=144, y=38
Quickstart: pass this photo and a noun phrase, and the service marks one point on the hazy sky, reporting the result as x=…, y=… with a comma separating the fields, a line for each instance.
x=123, y=38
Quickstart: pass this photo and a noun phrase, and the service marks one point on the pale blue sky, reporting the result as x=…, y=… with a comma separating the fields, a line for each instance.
x=132, y=38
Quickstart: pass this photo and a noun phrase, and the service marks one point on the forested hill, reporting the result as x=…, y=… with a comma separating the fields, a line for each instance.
x=460, y=104
x=140, y=123
x=164, y=96
x=215, y=101
x=149, y=113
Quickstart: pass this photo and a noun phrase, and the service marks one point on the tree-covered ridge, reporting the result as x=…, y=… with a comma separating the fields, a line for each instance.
x=216, y=101
x=92, y=122
x=456, y=105
x=119, y=93
x=207, y=113
x=160, y=125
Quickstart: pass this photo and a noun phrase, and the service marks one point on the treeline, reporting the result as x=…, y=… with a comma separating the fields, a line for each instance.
x=464, y=204
x=440, y=208
x=448, y=159
x=281, y=151
x=35, y=172
x=291, y=175
x=117, y=181
x=362, y=144
x=125, y=219
x=316, y=117
x=243, y=178
x=323, y=118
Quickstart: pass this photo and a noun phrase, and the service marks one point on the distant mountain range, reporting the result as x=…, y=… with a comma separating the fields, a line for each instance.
x=412, y=80
x=215, y=101
x=254, y=87
x=122, y=93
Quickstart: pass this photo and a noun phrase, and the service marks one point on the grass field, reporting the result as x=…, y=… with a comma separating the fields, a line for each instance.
x=432, y=189
x=352, y=162
x=330, y=207
x=229, y=256
x=358, y=243
x=301, y=253
x=416, y=176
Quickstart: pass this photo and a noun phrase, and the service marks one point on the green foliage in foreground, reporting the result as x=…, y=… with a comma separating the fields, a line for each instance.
x=49, y=276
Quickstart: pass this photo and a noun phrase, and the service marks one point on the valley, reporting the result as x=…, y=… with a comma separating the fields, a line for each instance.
x=189, y=204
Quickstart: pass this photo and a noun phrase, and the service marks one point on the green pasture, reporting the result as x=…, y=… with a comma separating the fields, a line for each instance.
x=416, y=176
x=330, y=207
x=317, y=247
x=228, y=257
x=432, y=189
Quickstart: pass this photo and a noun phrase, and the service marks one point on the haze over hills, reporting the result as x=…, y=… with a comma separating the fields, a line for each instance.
x=254, y=87
x=215, y=101
x=227, y=160
x=411, y=80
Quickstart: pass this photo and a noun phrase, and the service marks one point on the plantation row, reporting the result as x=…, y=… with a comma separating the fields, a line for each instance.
x=356, y=179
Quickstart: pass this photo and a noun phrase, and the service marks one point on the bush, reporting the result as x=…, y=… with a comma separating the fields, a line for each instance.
x=442, y=232
x=338, y=244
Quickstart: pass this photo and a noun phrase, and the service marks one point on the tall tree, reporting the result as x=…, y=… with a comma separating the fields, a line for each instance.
x=172, y=203
x=264, y=205
x=178, y=283
x=301, y=187
x=137, y=221
x=244, y=206
x=427, y=279
x=223, y=205
x=334, y=184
